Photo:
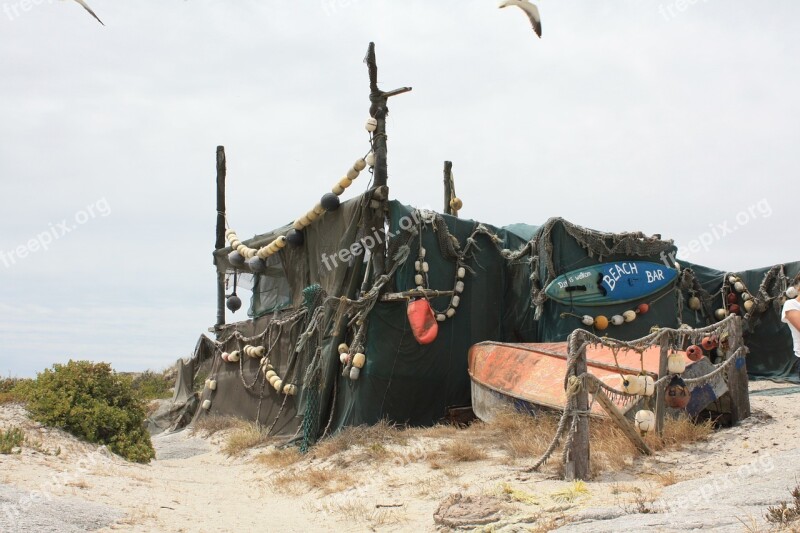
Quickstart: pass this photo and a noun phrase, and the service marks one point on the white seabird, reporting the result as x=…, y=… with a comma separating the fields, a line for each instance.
x=89, y=9
x=530, y=9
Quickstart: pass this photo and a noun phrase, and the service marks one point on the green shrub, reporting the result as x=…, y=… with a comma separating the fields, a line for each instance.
x=94, y=403
x=10, y=439
x=12, y=389
x=152, y=386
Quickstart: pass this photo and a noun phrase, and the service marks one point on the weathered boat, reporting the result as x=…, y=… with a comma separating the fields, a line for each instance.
x=530, y=377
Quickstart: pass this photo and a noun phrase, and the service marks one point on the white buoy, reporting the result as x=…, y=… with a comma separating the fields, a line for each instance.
x=352, y=174
x=370, y=159
x=441, y=317
x=371, y=125
x=630, y=384
x=629, y=315
x=645, y=420
x=459, y=286
x=791, y=292
x=207, y=404
x=676, y=364
x=212, y=384
x=587, y=320
x=450, y=313
x=359, y=360
x=418, y=279
x=456, y=301
x=617, y=320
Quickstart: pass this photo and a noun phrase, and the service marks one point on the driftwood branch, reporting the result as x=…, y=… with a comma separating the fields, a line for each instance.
x=414, y=293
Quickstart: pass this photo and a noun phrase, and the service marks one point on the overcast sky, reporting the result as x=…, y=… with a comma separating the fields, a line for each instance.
x=626, y=115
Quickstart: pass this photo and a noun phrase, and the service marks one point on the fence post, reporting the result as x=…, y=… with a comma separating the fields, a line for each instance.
x=577, y=459
x=661, y=406
x=737, y=375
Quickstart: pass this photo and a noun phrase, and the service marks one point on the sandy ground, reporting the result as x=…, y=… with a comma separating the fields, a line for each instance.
x=58, y=483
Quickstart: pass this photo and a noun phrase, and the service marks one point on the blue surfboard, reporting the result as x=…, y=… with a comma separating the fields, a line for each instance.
x=611, y=283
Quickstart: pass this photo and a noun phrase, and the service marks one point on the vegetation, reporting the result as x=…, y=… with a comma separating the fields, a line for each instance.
x=10, y=439
x=784, y=513
x=94, y=403
x=11, y=390
x=150, y=385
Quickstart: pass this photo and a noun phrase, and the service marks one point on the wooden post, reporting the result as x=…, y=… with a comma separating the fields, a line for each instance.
x=220, y=242
x=663, y=369
x=618, y=418
x=577, y=464
x=379, y=111
x=448, y=187
x=738, y=386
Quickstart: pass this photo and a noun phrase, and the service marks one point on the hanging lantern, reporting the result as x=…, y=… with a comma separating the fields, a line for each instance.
x=676, y=364
x=630, y=384
x=330, y=201
x=646, y=385
x=791, y=292
x=295, y=237
x=642, y=309
x=694, y=303
x=587, y=320
x=600, y=322
x=257, y=265
x=617, y=320
x=677, y=394
x=370, y=159
x=354, y=373
x=629, y=315
x=720, y=313
x=732, y=298
x=359, y=359
x=709, y=343
x=235, y=259
x=748, y=305
x=371, y=125
x=694, y=352
x=234, y=303
x=207, y=404
x=734, y=309
x=645, y=421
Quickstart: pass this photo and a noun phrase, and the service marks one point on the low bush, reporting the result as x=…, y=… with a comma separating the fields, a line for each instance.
x=152, y=386
x=92, y=402
x=10, y=439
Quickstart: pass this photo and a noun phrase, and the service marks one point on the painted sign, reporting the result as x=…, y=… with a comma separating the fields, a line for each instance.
x=611, y=283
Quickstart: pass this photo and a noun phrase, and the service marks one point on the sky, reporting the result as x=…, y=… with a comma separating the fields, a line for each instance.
x=675, y=117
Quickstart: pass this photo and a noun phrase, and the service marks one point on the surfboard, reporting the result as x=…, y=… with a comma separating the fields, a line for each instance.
x=611, y=283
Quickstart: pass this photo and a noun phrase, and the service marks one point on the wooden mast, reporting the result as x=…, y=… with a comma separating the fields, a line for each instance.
x=380, y=192
x=220, y=242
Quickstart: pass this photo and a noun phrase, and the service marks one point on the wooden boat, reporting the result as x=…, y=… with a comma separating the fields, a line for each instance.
x=530, y=377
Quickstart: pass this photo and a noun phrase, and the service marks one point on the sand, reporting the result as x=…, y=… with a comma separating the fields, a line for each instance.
x=724, y=484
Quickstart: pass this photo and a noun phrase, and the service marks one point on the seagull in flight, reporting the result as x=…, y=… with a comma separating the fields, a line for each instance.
x=530, y=9
x=89, y=9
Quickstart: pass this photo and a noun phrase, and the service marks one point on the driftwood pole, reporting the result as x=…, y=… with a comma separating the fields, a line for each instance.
x=380, y=192
x=448, y=187
x=577, y=463
x=737, y=376
x=220, y=242
x=663, y=370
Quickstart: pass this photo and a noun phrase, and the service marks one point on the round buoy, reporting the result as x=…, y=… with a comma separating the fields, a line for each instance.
x=647, y=386
x=235, y=259
x=330, y=201
x=295, y=238
x=371, y=125
x=600, y=322
x=677, y=395
x=739, y=286
x=694, y=303
x=732, y=298
x=617, y=320
x=630, y=384
x=748, y=305
x=645, y=421
x=207, y=405
x=709, y=343
x=734, y=309
x=629, y=315
x=721, y=313
x=587, y=320
x=355, y=372
x=359, y=360
x=791, y=292
x=642, y=309
x=212, y=384
x=456, y=204
x=370, y=159
x=234, y=303
x=694, y=352
x=676, y=364
x=257, y=265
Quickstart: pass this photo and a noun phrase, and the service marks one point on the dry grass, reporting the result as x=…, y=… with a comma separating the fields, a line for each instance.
x=80, y=484
x=208, y=425
x=365, y=437
x=280, y=458
x=324, y=480
x=609, y=448
x=244, y=438
x=462, y=451
x=667, y=478
x=358, y=512
x=680, y=431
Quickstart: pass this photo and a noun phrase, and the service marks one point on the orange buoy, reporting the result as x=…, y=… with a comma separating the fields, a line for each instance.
x=642, y=309
x=600, y=322
x=694, y=352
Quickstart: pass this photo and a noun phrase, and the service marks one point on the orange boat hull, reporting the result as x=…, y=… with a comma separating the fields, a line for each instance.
x=531, y=376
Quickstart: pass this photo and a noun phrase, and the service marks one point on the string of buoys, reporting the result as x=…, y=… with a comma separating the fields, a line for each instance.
x=353, y=362
x=601, y=322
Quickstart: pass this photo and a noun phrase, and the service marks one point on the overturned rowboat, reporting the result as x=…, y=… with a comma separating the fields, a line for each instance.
x=530, y=377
